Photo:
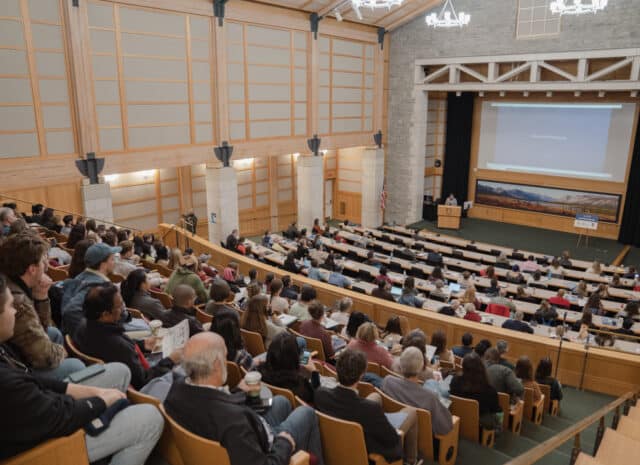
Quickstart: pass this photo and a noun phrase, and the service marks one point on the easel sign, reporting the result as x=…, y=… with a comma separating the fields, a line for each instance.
x=585, y=222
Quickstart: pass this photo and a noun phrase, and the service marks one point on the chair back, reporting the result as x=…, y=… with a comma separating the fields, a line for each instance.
x=498, y=309
x=335, y=434
x=533, y=411
x=550, y=406
x=116, y=278
x=58, y=273
x=59, y=451
x=364, y=389
x=313, y=344
x=135, y=313
x=194, y=449
x=286, y=393
x=469, y=412
x=203, y=317
x=253, y=342
x=384, y=371
x=505, y=404
x=164, y=298
x=89, y=360
x=234, y=374
x=373, y=367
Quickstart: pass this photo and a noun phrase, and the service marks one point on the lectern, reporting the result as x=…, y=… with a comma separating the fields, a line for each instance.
x=449, y=217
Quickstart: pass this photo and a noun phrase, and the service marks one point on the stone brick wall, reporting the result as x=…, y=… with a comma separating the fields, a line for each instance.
x=492, y=31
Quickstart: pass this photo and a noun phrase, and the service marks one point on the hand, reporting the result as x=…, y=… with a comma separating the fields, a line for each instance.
x=41, y=289
x=176, y=356
x=289, y=438
x=150, y=343
x=110, y=396
x=310, y=366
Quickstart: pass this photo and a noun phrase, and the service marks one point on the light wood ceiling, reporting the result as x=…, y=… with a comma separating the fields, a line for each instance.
x=389, y=19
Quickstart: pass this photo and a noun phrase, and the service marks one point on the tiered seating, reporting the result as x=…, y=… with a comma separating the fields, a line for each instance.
x=61, y=451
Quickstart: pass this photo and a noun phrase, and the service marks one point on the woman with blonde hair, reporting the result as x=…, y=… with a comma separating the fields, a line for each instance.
x=366, y=341
x=469, y=297
x=175, y=257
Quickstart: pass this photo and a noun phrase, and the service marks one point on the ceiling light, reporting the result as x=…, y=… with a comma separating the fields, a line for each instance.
x=337, y=14
x=356, y=10
x=448, y=17
x=373, y=4
x=577, y=7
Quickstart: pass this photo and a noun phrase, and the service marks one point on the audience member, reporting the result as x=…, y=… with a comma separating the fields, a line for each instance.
x=56, y=254
x=379, y=428
x=382, y=291
x=471, y=314
x=338, y=279
x=289, y=290
x=500, y=377
x=410, y=294
x=135, y=293
x=470, y=297
x=232, y=240
x=284, y=369
x=543, y=376
x=343, y=312
x=450, y=309
x=501, y=299
x=418, y=339
x=314, y=271
x=300, y=308
x=494, y=288
x=78, y=233
x=277, y=304
x=515, y=276
x=524, y=371
x=125, y=263
x=517, y=323
x=409, y=390
x=184, y=299
x=383, y=276
x=565, y=259
x=393, y=332
x=481, y=347
x=439, y=340
x=313, y=328
x=227, y=324
x=531, y=265
x=290, y=263
x=220, y=294
x=203, y=405
x=465, y=348
x=255, y=318
x=366, y=342
x=186, y=274
x=559, y=300
x=503, y=348
x=546, y=314
x=101, y=335
x=7, y=218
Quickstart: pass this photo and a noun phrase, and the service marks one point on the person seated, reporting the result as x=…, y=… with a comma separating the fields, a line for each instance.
x=382, y=276
x=501, y=299
x=489, y=272
x=232, y=240
x=616, y=281
x=257, y=319
x=221, y=295
x=555, y=269
x=125, y=263
x=379, y=429
x=277, y=303
x=439, y=292
x=67, y=224
x=232, y=276
x=184, y=299
x=56, y=255
x=500, y=377
x=410, y=294
x=502, y=259
x=283, y=368
x=366, y=342
x=565, y=260
x=314, y=271
x=383, y=291
x=203, y=404
x=356, y=319
x=523, y=296
x=518, y=324
x=101, y=335
x=313, y=328
x=594, y=304
x=503, y=348
x=450, y=309
x=300, y=308
x=393, y=333
x=465, y=348
x=436, y=274
x=470, y=297
x=467, y=280
x=595, y=268
x=546, y=314
x=451, y=201
x=290, y=263
x=531, y=265
x=240, y=247
x=371, y=260
x=524, y=371
x=338, y=279
x=494, y=288
x=535, y=280
x=627, y=324
x=329, y=262
x=473, y=384
x=129, y=437
x=543, y=376
x=292, y=232
x=135, y=293
x=227, y=324
x=409, y=390
x=559, y=300
x=471, y=314
x=515, y=276
x=439, y=340
x=289, y=290
x=481, y=347
x=317, y=228
x=23, y=260
x=186, y=274
x=418, y=339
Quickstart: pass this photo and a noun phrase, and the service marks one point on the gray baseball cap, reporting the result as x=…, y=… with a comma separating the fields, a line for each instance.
x=98, y=253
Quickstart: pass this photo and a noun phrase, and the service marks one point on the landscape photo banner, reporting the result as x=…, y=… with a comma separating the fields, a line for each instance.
x=549, y=200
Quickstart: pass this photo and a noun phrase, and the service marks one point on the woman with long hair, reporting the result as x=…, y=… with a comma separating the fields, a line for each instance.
x=473, y=384
x=410, y=294
x=135, y=293
x=78, y=233
x=366, y=341
x=227, y=324
x=439, y=340
x=543, y=376
x=470, y=297
x=175, y=258
x=276, y=303
x=78, y=265
x=524, y=371
x=256, y=319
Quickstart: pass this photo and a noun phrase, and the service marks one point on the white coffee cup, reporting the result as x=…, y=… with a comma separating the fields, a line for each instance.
x=252, y=380
x=155, y=326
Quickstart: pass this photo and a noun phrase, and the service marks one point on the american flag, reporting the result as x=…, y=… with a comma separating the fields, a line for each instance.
x=383, y=195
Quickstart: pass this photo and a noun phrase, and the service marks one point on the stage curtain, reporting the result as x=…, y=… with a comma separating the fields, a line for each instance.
x=457, y=156
x=630, y=227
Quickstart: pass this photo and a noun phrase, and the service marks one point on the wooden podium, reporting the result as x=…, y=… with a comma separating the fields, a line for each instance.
x=449, y=217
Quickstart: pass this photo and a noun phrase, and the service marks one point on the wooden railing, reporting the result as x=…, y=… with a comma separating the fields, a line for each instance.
x=548, y=446
x=604, y=371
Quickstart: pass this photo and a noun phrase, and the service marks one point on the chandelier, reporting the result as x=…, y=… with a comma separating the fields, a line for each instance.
x=577, y=7
x=388, y=4
x=448, y=17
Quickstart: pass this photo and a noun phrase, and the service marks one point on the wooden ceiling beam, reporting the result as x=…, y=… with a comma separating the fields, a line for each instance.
x=331, y=6
x=396, y=23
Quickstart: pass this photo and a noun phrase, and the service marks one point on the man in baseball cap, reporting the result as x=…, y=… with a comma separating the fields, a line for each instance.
x=100, y=258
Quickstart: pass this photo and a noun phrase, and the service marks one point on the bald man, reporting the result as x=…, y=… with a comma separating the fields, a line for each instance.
x=203, y=404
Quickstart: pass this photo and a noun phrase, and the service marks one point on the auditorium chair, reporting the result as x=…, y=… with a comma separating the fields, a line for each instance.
x=253, y=342
x=497, y=309
x=445, y=444
x=196, y=450
x=313, y=345
x=384, y=371
x=629, y=427
x=165, y=299
x=166, y=446
x=116, y=278
x=202, y=316
x=550, y=406
x=284, y=392
x=135, y=313
x=234, y=374
x=533, y=411
x=66, y=450
x=58, y=273
x=468, y=411
x=364, y=388
x=163, y=270
x=335, y=433
x=512, y=414
x=373, y=367
x=75, y=352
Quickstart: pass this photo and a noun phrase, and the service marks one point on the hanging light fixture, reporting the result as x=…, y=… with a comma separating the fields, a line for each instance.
x=448, y=17
x=577, y=7
x=373, y=4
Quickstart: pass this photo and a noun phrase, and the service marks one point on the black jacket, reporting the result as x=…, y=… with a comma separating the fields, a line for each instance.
x=295, y=381
x=177, y=314
x=35, y=409
x=486, y=396
x=109, y=343
x=344, y=403
x=222, y=417
x=517, y=325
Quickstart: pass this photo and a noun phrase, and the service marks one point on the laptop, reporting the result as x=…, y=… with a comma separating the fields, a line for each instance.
x=396, y=291
x=454, y=287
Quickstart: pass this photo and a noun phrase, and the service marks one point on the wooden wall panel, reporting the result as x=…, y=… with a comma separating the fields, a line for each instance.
x=64, y=198
x=436, y=134
x=347, y=206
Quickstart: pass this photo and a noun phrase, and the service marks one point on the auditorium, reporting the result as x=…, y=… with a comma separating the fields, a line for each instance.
x=319, y=232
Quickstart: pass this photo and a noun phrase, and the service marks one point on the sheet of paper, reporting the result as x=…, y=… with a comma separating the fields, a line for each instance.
x=175, y=338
